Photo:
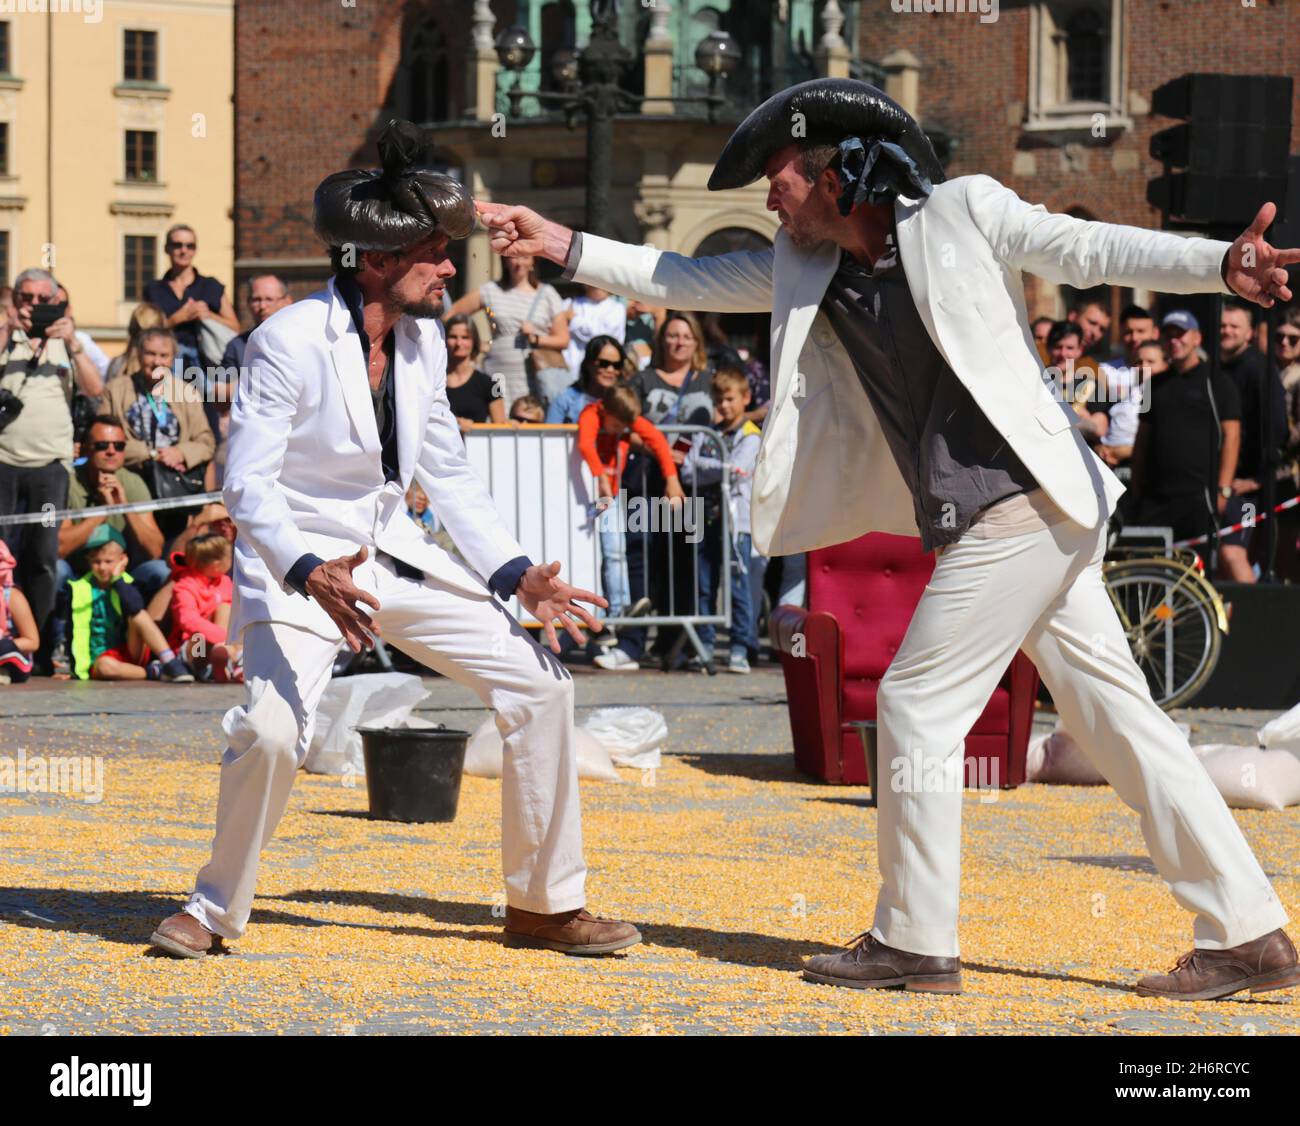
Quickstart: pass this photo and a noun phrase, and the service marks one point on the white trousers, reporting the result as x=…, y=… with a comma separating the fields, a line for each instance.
x=473, y=641
x=1042, y=593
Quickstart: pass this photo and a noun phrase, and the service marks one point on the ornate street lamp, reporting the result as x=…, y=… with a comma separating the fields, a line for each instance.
x=590, y=87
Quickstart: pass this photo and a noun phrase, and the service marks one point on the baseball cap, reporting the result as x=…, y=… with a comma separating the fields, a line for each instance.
x=1181, y=318
x=105, y=533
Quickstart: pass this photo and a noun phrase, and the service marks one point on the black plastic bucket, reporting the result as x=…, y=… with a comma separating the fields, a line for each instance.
x=413, y=773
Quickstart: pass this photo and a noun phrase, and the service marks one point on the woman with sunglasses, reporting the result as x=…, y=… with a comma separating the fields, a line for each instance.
x=186, y=296
x=603, y=365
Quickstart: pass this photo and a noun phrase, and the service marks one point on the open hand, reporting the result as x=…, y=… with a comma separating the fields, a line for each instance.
x=549, y=598
x=1255, y=269
x=331, y=585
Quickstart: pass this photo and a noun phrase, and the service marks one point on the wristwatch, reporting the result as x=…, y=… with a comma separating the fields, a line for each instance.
x=1225, y=491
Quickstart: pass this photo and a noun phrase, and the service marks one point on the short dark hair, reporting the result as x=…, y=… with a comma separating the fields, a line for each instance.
x=1061, y=330
x=1241, y=306
x=102, y=420
x=1135, y=313
x=1087, y=303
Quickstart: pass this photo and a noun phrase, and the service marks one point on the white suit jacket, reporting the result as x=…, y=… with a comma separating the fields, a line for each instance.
x=825, y=473
x=303, y=469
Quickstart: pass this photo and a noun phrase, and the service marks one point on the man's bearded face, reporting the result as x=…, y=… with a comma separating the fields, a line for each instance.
x=807, y=210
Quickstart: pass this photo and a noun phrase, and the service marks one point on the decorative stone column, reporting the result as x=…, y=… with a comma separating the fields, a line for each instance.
x=483, y=64
x=659, y=60
x=902, y=79
x=832, y=54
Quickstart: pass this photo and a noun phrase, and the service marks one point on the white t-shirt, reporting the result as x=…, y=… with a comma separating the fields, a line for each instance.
x=1120, y=386
x=591, y=319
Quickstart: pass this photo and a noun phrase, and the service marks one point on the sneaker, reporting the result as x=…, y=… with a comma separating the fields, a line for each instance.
x=694, y=664
x=640, y=607
x=738, y=664
x=607, y=638
x=616, y=660
x=59, y=658
x=176, y=671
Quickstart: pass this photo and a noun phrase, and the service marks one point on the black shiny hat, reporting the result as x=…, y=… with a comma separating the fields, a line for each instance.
x=396, y=206
x=833, y=109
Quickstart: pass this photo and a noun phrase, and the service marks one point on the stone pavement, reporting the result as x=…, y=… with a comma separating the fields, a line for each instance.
x=734, y=865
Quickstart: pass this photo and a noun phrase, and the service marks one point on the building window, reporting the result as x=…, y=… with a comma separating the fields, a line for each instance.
x=4, y=148
x=4, y=47
x=1077, y=66
x=142, y=155
x=140, y=56
x=428, y=78
x=4, y=258
x=139, y=258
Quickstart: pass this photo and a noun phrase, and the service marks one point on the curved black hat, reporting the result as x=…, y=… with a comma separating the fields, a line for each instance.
x=832, y=109
x=396, y=206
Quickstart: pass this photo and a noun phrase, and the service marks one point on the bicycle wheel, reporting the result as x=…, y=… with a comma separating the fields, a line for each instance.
x=1167, y=611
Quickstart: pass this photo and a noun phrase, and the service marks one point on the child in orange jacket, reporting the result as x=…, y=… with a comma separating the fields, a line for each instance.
x=604, y=430
x=200, y=609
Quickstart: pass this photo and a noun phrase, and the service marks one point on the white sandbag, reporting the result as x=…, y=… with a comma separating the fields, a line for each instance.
x=383, y=699
x=1252, y=777
x=484, y=755
x=1282, y=733
x=630, y=735
x=1057, y=758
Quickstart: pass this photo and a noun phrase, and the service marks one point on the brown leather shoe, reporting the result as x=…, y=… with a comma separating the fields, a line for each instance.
x=1265, y=963
x=183, y=936
x=869, y=964
x=570, y=932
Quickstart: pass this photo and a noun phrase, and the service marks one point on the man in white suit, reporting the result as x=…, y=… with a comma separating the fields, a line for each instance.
x=343, y=405
x=908, y=397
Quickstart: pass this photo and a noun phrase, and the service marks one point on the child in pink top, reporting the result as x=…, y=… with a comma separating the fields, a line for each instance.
x=200, y=608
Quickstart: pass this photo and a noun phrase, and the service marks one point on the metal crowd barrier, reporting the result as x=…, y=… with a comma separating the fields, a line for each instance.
x=547, y=497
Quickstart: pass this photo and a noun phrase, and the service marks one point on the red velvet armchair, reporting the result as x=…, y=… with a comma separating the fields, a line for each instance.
x=862, y=595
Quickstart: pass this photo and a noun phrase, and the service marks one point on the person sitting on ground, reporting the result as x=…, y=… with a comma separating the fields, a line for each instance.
x=112, y=635
x=209, y=518
x=605, y=364
x=18, y=636
x=200, y=617
x=103, y=480
x=702, y=465
x=527, y=410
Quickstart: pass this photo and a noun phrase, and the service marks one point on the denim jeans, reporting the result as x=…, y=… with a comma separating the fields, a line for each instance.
x=613, y=560
x=743, y=637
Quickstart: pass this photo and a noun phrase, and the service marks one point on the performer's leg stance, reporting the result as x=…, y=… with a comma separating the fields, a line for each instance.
x=476, y=642
x=982, y=598
x=1103, y=700
x=286, y=669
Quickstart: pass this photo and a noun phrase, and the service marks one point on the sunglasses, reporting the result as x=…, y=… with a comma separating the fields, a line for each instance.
x=100, y=447
x=182, y=245
x=615, y=364
x=1287, y=337
x=32, y=298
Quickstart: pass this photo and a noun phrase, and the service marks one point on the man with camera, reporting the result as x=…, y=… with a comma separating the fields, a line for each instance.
x=42, y=364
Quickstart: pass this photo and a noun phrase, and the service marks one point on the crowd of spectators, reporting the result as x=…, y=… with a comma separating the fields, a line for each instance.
x=142, y=594
x=146, y=594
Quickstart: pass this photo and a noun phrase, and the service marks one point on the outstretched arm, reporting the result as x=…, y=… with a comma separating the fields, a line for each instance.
x=729, y=283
